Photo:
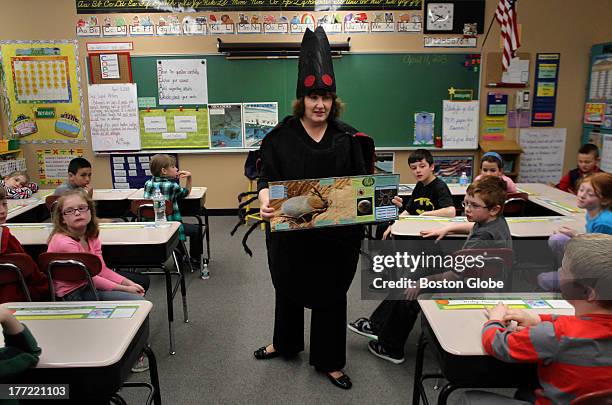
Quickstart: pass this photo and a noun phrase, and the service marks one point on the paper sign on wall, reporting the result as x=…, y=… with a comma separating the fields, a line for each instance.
x=53, y=165
x=182, y=81
x=606, y=153
x=543, y=155
x=113, y=117
x=460, y=124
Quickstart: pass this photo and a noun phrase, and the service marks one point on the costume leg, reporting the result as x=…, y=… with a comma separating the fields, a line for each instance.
x=328, y=337
x=288, y=326
x=398, y=325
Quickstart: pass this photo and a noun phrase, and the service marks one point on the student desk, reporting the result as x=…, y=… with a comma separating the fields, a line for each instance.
x=520, y=227
x=455, y=338
x=93, y=356
x=191, y=206
x=111, y=202
x=128, y=245
x=27, y=209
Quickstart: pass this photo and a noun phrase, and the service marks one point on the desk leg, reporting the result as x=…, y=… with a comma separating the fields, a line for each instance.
x=418, y=370
x=153, y=374
x=170, y=306
x=207, y=235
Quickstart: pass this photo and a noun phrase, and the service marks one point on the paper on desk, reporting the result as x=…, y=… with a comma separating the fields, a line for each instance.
x=559, y=304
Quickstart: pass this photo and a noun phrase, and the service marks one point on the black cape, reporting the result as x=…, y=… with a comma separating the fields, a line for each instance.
x=313, y=267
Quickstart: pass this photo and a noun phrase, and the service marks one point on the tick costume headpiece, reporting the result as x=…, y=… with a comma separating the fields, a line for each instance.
x=315, y=68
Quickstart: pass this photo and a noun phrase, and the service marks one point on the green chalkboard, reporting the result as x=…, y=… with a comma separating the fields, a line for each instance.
x=382, y=92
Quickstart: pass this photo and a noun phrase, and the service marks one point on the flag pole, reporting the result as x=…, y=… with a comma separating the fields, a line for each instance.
x=488, y=30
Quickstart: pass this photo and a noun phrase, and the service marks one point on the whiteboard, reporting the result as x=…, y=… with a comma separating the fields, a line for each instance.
x=113, y=117
x=543, y=155
x=460, y=124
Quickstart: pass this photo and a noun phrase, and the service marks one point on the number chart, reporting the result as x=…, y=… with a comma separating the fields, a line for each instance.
x=41, y=79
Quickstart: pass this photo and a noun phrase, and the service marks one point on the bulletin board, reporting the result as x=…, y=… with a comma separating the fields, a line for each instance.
x=42, y=85
x=95, y=69
x=382, y=92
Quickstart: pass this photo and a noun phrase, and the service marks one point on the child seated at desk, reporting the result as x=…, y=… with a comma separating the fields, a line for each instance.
x=166, y=177
x=572, y=352
x=431, y=195
x=492, y=164
x=75, y=230
x=20, y=351
x=391, y=323
x=17, y=185
x=588, y=163
x=79, y=177
x=595, y=196
x=36, y=281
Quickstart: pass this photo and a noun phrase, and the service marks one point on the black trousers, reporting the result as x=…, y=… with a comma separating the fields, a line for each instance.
x=327, y=332
x=392, y=321
x=195, y=241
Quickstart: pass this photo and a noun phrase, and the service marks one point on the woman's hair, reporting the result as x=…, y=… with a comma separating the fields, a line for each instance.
x=59, y=226
x=602, y=184
x=19, y=173
x=336, y=109
x=159, y=162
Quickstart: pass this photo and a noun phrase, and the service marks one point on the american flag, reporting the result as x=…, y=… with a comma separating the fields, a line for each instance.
x=506, y=16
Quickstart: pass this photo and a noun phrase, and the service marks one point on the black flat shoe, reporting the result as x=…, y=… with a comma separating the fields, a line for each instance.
x=262, y=354
x=343, y=381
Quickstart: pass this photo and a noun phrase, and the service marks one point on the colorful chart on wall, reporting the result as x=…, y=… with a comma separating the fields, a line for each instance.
x=174, y=128
x=42, y=86
x=226, y=125
x=53, y=164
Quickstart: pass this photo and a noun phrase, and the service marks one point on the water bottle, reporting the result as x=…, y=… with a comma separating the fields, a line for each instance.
x=463, y=180
x=159, y=206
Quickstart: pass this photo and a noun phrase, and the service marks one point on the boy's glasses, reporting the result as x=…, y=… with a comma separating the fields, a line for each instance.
x=80, y=209
x=472, y=206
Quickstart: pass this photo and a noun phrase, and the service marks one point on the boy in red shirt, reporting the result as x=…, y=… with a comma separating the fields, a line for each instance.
x=572, y=352
x=588, y=163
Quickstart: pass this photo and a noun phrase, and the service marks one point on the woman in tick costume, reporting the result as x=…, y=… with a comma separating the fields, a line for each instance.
x=313, y=268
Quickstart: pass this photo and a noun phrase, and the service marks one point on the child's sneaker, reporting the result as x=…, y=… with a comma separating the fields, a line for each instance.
x=378, y=350
x=142, y=364
x=363, y=327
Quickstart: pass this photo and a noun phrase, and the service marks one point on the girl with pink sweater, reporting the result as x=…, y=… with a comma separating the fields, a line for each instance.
x=76, y=230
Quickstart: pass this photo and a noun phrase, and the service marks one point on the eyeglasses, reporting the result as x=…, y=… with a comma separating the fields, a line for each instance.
x=467, y=204
x=80, y=209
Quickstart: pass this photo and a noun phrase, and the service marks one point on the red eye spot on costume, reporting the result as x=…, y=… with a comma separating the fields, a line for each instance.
x=327, y=79
x=309, y=80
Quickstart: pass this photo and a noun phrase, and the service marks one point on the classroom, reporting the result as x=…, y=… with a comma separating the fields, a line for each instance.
x=475, y=133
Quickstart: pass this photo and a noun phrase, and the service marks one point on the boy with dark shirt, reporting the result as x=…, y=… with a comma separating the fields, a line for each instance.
x=79, y=176
x=430, y=196
x=588, y=163
x=484, y=204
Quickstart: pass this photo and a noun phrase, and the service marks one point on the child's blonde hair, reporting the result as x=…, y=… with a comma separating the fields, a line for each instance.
x=59, y=226
x=587, y=258
x=159, y=162
x=19, y=173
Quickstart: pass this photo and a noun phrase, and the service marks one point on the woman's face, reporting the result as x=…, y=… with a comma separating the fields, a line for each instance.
x=317, y=107
x=76, y=214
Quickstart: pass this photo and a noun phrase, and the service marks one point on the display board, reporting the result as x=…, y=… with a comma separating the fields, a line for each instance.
x=382, y=92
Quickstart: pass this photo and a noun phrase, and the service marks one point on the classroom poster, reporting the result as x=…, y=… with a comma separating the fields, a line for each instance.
x=494, y=128
x=424, y=129
x=606, y=153
x=174, y=128
x=450, y=168
x=316, y=203
x=53, y=165
x=259, y=119
x=545, y=99
x=182, y=81
x=385, y=163
x=543, y=155
x=132, y=171
x=42, y=86
x=226, y=125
